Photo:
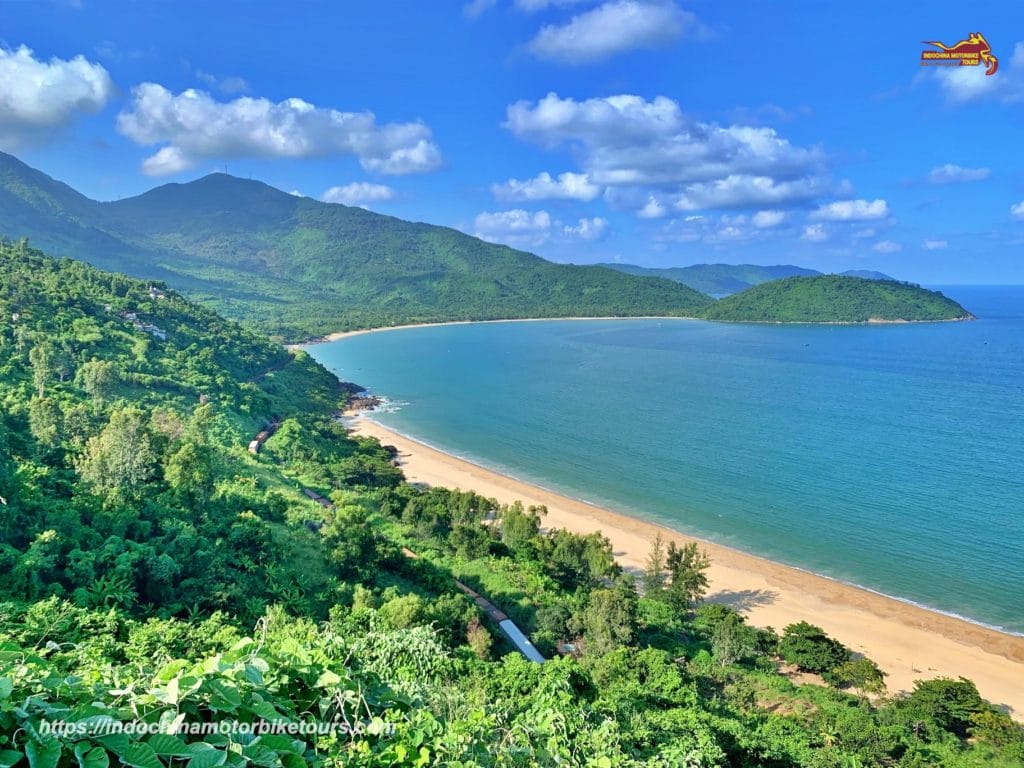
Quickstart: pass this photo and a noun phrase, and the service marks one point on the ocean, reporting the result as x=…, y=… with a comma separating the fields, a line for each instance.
x=887, y=456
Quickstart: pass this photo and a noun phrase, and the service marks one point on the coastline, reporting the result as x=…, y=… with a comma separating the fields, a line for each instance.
x=907, y=641
x=338, y=335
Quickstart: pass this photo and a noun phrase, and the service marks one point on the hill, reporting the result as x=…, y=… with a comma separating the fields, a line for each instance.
x=295, y=267
x=835, y=299
x=155, y=571
x=724, y=279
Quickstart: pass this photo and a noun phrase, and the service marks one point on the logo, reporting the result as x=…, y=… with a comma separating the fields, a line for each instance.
x=971, y=52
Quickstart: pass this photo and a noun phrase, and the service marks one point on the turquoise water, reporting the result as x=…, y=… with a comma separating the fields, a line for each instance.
x=886, y=456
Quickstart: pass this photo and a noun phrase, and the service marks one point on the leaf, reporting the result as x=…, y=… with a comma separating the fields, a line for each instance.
x=9, y=757
x=208, y=758
x=223, y=697
x=96, y=757
x=6, y=687
x=43, y=755
x=164, y=744
x=327, y=679
x=141, y=756
x=116, y=742
x=280, y=743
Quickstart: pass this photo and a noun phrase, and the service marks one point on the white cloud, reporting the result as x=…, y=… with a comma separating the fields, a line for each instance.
x=475, y=8
x=516, y=227
x=228, y=85
x=934, y=245
x=766, y=219
x=568, y=186
x=612, y=28
x=195, y=127
x=588, y=229
x=1017, y=211
x=967, y=84
x=852, y=210
x=539, y=5
x=358, y=193
x=886, y=246
x=38, y=96
x=653, y=209
x=627, y=141
x=814, y=233
x=953, y=174
x=740, y=191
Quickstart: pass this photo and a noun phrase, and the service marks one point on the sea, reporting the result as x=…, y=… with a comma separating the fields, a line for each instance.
x=886, y=456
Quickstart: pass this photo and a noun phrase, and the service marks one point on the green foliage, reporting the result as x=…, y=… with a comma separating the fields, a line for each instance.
x=686, y=568
x=152, y=568
x=834, y=299
x=811, y=650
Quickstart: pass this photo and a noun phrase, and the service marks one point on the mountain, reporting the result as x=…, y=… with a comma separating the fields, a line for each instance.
x=725, y=279
x=296, y=267
x=835, y=299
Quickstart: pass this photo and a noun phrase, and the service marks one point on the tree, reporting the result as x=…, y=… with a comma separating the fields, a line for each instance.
x=951, y=704
x=44, y=422
x=41, y=358
x=578, y=561
x=479, y=638
x=861, y=673
x=688, y=581
x=810, y=649
x=98, y=378
x=654, y=572
x=608, y=621
x=120, y=459
x=520, y=529
x=189, y=471
x=732, y=640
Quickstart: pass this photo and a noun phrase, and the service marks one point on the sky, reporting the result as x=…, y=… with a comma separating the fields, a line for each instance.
x=651, y=132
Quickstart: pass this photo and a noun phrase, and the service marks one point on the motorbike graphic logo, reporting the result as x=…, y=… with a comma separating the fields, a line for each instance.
x=971, y=52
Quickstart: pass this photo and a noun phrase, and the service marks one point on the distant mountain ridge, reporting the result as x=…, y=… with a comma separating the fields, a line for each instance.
x=724, y=279
x=296, y=267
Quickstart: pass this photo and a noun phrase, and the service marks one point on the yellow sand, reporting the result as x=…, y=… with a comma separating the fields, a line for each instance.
x=907, y=642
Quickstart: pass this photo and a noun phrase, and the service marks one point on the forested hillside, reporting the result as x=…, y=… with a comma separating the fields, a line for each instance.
x=835, y=299
x=295, y=267
x=155, y=572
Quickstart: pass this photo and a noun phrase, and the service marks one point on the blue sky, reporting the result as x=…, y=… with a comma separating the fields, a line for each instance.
x=647, y=131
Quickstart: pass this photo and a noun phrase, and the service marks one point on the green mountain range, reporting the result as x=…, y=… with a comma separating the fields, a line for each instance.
x=835, y=299
x=295, y=267
x=724, y=279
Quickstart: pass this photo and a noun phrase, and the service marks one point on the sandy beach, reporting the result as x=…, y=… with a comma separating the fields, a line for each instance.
x=908, y=643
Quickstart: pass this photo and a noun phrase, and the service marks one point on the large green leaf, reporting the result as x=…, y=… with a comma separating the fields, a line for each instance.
x=208, y=758
x=96, y=757
x=165, y=745
x=44, y=755
x=9, y=757
x=141, y=756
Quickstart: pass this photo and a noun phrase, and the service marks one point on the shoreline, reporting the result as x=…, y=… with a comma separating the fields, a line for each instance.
x=338, y=335
x=908, y=641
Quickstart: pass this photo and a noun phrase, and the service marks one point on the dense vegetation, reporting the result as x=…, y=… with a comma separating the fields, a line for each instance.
x=724, y=279
x=835, y=299
x=155, y=572
x=264, y=257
